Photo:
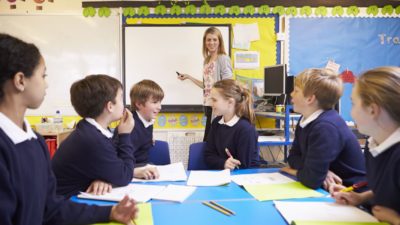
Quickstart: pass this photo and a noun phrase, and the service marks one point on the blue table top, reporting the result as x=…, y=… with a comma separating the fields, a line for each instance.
x=193, y=212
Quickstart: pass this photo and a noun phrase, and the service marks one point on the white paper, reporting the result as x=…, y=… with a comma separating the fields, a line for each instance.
x=176, y=193
x=171, y=172
x=322, y=211
x=139, y=192
x=333, y=66
x=209, y=178
x=243, y=34
x=261, y=178
x=247, y=60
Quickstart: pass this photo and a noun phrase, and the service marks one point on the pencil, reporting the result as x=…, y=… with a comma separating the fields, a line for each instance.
x=230, y=156
x=222, y=207
x=216, y=208
x=355, y=186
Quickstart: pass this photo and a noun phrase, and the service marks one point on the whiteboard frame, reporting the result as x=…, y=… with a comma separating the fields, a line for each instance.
x=169, y=107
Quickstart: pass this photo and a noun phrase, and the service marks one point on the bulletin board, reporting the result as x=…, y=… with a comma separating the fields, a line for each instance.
x=357, y=44
x=73, y=46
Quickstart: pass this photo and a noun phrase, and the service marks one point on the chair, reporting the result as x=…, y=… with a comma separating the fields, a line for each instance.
x=159, y=153
x=196, y=156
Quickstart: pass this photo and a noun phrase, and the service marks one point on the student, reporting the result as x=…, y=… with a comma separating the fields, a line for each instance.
x=216, y=66
x=28, y=185
x=324, y=149
x=88, y=154
x=376, y=111
x=232, y=141
x=146, y=97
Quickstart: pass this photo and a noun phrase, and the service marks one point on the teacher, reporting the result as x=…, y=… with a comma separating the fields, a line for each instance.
x=216, y=66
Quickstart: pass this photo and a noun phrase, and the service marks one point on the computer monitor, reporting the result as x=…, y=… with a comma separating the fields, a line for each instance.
x=275, y=80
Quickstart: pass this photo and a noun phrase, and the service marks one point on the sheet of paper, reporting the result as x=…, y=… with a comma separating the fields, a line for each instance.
x=247, y=60
x=171, y=172
x=336, y=223
x=209, y=178
x=322, y=211
x=139, y=192
x=243, y=34
x=265, y=192
x=176, y=193
x=261, y=178
x=145, y=216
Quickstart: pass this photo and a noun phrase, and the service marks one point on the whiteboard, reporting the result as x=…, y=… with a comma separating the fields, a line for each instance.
x=156, y=52
x=73, y=46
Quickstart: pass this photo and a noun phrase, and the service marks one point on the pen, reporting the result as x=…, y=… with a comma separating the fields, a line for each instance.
x=355, y=186
x=230, y=156
x=222, y=207
x=216, y=208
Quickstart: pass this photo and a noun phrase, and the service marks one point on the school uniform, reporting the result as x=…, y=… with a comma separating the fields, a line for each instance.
x=142, y=138
x=324, y=142
x=239, y=136
x=28, y=186
x=89, y=154
x=383, y=171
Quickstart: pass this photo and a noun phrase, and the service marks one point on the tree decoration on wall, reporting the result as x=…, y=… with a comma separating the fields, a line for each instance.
x=373, y=10
x=306, y=11
x=397, y=10
x=387, y=10
x=321, y=11
x=143, y=11
x=280, y=10
x=104, y=12
x=160, y=10
x=234, y=10
x=205, y=9
x=175, y=10
x=337, y=11
x=249, y=10
x=291, y=11
x=129, y=11
x=89, y=11
x=264, y=10
x=220, y=10
x=353, y=10
x=190, y=9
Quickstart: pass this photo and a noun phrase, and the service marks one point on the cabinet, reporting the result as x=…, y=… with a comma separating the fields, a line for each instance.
x=54, y=139
x=282, y=140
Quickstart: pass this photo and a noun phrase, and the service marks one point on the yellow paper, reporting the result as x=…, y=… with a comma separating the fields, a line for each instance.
x=145, y=216
x=267, y=192
x=336, y=223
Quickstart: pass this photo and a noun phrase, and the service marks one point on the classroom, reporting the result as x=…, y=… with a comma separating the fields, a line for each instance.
x=187, y=160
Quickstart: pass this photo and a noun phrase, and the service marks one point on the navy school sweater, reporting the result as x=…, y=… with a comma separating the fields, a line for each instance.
x=28, y=189
x=326, y=144
x=383, y=173
x=142, y=139
x=87, y=155
x=240, y=139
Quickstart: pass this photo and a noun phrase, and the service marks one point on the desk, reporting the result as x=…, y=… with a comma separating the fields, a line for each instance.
x=192, y=212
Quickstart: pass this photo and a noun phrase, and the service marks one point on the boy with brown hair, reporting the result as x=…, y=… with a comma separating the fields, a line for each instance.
x=324, y=150
x=146, y=97
x=88, y=160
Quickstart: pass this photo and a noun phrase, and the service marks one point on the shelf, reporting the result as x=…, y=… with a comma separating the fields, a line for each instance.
x=277, y=115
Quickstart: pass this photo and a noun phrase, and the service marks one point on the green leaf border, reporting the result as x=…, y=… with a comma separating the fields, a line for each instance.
x=249, y=10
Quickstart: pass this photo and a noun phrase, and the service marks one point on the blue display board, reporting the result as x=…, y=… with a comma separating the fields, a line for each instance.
x=357, y=44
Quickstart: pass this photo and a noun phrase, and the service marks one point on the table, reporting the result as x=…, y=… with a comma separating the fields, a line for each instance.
x=193, y=212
